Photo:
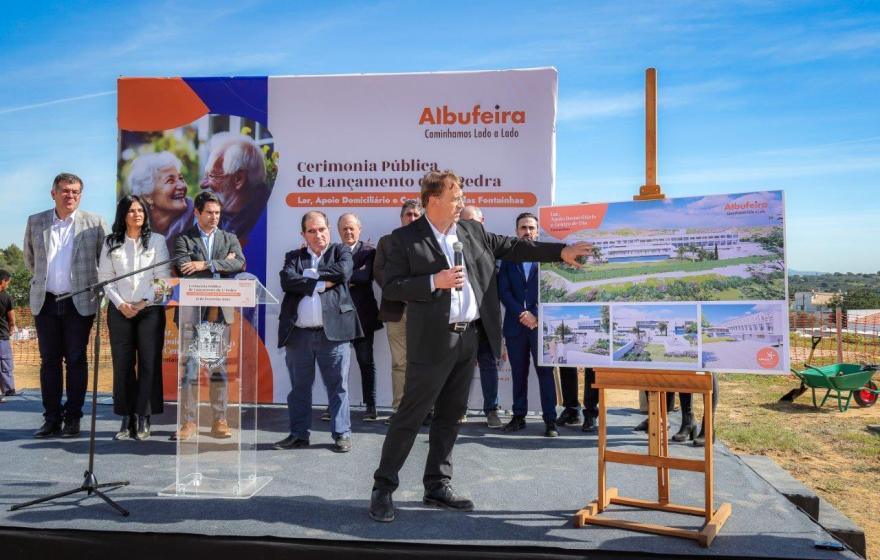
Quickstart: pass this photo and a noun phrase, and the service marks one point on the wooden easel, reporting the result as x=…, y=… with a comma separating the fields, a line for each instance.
x=657, y=383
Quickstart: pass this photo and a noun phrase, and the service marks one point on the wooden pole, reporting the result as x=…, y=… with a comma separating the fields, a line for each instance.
x=650, y=190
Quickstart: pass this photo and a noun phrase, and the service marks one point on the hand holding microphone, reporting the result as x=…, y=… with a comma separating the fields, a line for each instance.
x=457, y=248
x=452, y=278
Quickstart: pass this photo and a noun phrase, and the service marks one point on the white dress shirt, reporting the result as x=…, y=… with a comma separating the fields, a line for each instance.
x=59, y=254
x=463, y=304
x=133, y=256
x=308, y=312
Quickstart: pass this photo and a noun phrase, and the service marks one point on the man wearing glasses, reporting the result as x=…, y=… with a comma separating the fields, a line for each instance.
x=61, y=248
x=447, y=304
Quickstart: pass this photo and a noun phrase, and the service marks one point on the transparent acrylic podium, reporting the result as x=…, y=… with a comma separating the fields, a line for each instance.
x=219, y=356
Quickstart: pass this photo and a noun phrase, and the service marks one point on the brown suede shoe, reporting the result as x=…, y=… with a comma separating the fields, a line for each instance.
x=220, y=429
x=185, y=431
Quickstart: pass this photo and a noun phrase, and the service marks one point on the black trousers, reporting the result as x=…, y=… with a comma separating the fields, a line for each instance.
x=363, y=353
x=444, y=384
x=687, y=400
x=63, y=335
x=136, y=347
x=569, y=383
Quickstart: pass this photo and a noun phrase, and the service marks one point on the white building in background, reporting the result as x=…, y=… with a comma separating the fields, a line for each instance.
x=662, y=246
x=810, y=302
x=754, y=326
x=580, y=325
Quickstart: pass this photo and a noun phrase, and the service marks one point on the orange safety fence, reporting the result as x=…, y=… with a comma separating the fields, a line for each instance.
x=829, y=337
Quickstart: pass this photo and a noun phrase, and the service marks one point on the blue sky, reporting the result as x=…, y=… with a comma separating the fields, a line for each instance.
x=718, y=314
x=566, y=312
x=754, y=95
x=702, y=211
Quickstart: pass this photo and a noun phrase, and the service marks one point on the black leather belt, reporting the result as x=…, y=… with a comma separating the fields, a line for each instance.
x=462, y=326
x=311, y=328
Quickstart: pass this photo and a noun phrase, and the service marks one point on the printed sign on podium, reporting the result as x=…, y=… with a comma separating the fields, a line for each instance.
x=217, y=375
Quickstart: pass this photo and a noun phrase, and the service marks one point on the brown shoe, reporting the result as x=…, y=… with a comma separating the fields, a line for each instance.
x=186, y=431
x=220, y=429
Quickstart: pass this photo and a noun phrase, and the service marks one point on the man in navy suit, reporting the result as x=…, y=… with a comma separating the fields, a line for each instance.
x=317, y=323
x=518, y=289
x=361, y=287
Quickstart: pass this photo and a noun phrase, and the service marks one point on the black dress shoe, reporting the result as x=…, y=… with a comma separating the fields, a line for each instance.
x=370, y=413
x=291, y=442
x=569, y=417
x=71, y=428
x=388, y=420
x=142, y=429
x=551, y=430
x=516, y=423
x=381, y=506
x=127, y=428
x=642, y=427
x=342, y=444
x=445, y=497
x=589, y=424
x=48, y=429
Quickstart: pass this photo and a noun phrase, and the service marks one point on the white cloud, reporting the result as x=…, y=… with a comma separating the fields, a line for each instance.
x=8, y=110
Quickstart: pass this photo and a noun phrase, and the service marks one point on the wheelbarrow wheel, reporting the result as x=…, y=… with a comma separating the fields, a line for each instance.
x=867, y=395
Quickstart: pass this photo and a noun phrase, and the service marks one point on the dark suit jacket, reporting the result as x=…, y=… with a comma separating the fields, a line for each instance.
x=190, y=243
x=361, y=286
x=337, y=309
x=189, y=246
x=389, y=311
x=518, y=294
x=415, y=256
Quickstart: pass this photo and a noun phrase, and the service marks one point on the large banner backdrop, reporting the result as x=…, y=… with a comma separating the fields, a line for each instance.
x=276, y=147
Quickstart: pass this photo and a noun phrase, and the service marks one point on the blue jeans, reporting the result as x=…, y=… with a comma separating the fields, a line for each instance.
x=488, y=374
x=519, y=348
x=304, y=348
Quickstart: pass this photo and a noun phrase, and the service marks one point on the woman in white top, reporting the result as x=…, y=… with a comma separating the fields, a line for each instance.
x=137, y=329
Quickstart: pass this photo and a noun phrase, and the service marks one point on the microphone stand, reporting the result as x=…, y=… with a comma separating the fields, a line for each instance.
x=90, y=481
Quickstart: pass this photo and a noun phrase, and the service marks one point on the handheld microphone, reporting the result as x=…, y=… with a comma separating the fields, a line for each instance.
x=458, y=260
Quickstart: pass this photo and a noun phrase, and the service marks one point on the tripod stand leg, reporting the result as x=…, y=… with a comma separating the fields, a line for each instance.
x=46, y=499
x=111, y=503
x=112, y=484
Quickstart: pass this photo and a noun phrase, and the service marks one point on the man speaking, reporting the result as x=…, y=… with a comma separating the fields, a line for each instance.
x=446, y=305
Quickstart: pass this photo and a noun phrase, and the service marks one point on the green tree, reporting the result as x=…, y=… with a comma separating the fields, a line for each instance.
x=605, y=320
x=562, y=330
x=663, y=326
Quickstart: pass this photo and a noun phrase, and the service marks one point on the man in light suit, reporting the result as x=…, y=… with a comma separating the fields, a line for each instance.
x=317, y=323
x=518, y=288
x=206, y=251
x=61, y=248
x=442, y=329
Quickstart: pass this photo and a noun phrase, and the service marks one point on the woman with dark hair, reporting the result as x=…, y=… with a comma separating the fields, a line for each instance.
x=137, y=329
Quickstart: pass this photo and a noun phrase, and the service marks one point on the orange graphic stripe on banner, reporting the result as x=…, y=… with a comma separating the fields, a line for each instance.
x=562, y=221
x=395, y=199
x=146, y=104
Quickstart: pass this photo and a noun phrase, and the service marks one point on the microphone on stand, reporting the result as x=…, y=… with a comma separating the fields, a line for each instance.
x=458, y=260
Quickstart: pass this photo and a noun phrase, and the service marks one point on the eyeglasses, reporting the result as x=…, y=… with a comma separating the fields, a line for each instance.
x=72, y=192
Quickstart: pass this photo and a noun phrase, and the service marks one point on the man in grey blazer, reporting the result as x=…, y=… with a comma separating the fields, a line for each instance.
x=206, y=251
x=61, y=248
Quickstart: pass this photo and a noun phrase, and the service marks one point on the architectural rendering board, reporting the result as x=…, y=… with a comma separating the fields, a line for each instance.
x=689, y=283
